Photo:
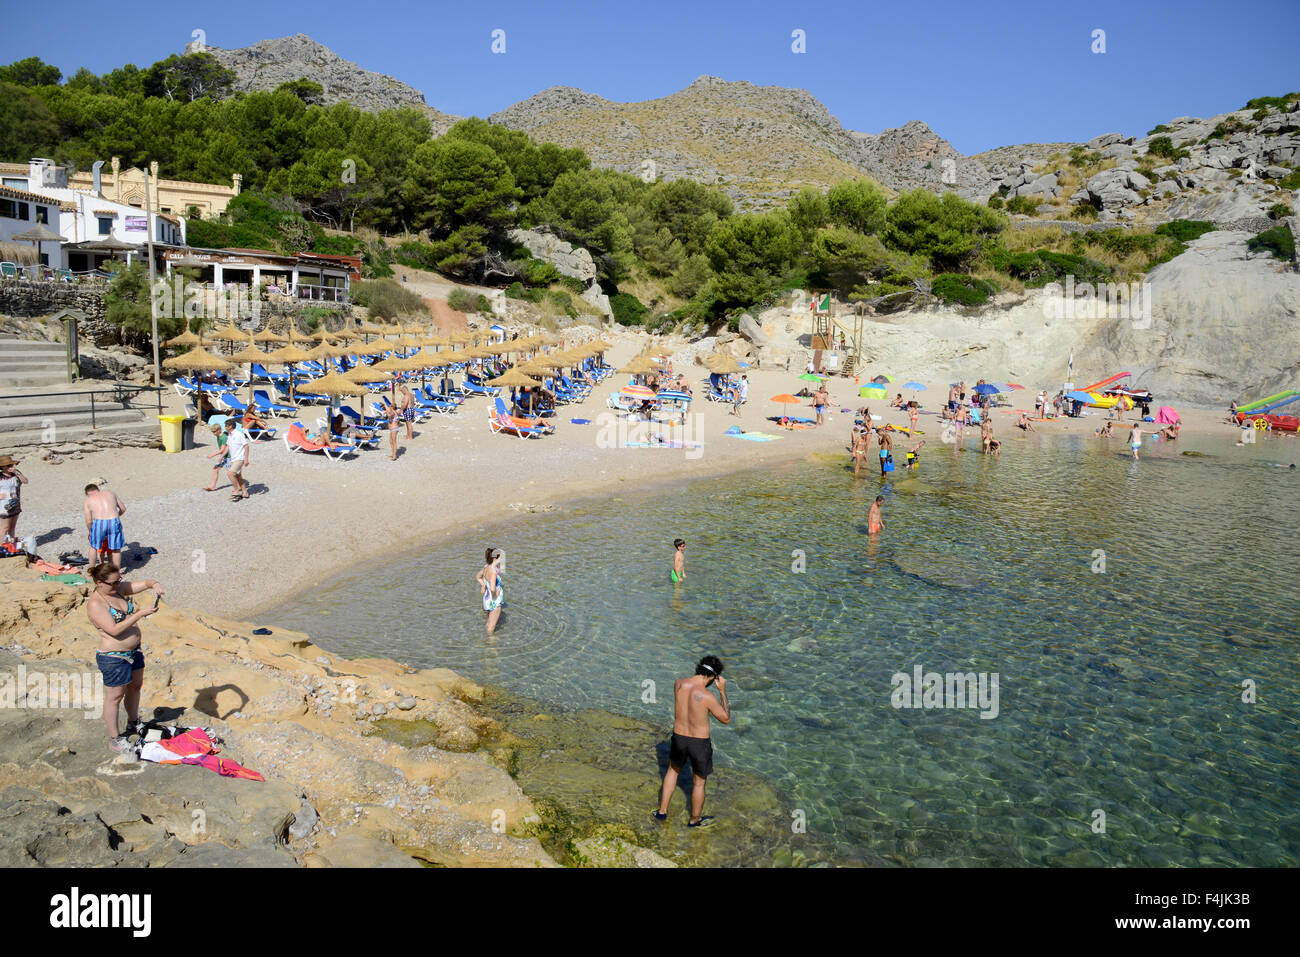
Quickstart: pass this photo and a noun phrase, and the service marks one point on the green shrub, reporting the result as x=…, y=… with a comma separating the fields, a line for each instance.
x=562, y=299
x=1164, y=146
x=1184, y=230
x=1225, y=129
x=1279, y=211
x=1283, y=103
x=537, y=272
x=1025, y=205
x=1278, y=241
x=1290, y=181
x=627, y=309
x=462, y=300
x=415, y=254
x=386, y=299
x=1084, y=211
x=483, y=304
x=1041, y=267
x=1161, y=128
x=963, y=290
x=996, y=202
x=516, y=290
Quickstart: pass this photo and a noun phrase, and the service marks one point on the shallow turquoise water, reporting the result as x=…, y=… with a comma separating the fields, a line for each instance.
x=1119, y=691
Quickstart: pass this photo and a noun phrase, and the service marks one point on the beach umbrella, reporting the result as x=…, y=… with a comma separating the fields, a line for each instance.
x=872, y=391
x=637, y=392
x=640, y=365
x=227, y=333
x=986, y=389
x=813, y=377
x=249, y=355
x=516, y=378
x=722, y=363
x=1014, y=385
x=266, y=335
x=916, y=386
x=186, y=338
x=882, y=379
x=1083, y=397
x=334, y=385
x=289, y=356
x=197, y=360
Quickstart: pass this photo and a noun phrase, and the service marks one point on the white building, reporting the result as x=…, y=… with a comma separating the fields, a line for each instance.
x=87, y=217
x=20, y=211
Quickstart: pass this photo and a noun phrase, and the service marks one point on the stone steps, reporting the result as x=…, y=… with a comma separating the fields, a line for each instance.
x=33, y=365
x=32, y=438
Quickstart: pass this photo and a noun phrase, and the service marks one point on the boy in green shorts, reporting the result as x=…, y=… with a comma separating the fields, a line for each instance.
x=679, y=561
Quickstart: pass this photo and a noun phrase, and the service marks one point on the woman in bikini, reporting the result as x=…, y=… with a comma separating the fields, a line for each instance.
x=493, y=588
x=111, y=608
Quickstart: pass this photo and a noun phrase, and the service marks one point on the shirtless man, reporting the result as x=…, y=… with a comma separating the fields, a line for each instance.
x=407, y=409
x=861, y=445
x=103, y=512
x=692, y=705
x=1024, y=423
x=952, y=401
x=874, y=522
x=112, y=610
x=886, y=448
x=990, y=443
x=820, y=398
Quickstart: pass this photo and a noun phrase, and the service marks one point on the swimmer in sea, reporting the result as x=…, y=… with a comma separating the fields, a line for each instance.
x=489, y=580
x=679, y=561
x=1105, y=431
x=874, y=522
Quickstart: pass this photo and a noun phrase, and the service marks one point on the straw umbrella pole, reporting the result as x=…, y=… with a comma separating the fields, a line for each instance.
x=197, y=359
x=249, y=355
x=289, y=355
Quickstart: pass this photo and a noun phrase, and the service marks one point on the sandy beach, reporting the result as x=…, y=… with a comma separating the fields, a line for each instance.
x=308, y=518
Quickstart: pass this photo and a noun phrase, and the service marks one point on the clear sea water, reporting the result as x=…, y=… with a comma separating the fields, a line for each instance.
x=1120, y=690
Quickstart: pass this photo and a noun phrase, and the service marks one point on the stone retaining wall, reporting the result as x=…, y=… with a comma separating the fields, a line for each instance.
x=31, y=297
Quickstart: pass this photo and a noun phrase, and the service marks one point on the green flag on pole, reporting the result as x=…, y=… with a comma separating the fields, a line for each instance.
x=823, y=304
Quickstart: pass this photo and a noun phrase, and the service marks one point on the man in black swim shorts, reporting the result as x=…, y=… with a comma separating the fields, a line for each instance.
x=692, y=706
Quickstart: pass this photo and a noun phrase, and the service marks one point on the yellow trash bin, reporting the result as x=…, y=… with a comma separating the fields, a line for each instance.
x=171, y=431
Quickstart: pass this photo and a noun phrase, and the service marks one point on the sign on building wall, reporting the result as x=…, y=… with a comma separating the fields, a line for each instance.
x=137, y=224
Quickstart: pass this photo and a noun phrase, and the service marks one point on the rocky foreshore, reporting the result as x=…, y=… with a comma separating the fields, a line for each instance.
x=336, y=793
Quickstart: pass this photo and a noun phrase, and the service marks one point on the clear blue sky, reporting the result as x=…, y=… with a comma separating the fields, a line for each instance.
x=981, y=74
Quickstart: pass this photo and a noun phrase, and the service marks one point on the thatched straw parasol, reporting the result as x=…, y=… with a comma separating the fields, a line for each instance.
x=722, y=363
x=197, y=360
x=640, y=365
x=250, y=354
x=266, y=335
x=186, y=338
x=289, y=355
x=515, y=378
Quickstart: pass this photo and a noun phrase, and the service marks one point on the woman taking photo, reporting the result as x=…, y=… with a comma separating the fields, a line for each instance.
x=112, y=609
x=11, y=483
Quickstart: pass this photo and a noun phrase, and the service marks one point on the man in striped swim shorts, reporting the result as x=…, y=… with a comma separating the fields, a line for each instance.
x=103, y=511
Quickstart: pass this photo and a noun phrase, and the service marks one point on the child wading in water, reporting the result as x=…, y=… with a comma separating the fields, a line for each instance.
x=679, y=560
x=489, y=580
x=914, y=455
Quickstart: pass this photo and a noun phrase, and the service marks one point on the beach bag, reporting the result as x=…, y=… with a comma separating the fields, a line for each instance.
x=889, y=464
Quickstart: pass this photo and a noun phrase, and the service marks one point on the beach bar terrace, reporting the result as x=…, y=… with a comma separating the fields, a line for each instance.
x=298, y=276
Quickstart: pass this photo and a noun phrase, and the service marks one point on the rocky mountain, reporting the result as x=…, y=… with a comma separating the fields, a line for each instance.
x=758, y=143
x=268, y=63
x=761, y=143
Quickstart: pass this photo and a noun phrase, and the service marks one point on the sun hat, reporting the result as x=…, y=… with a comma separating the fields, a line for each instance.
x=6, y=460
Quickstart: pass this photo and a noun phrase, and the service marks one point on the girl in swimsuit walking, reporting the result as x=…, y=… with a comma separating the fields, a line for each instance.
x=493, y=588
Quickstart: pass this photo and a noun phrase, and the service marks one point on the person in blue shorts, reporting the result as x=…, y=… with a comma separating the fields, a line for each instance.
x=103, y=511
x=112, y=610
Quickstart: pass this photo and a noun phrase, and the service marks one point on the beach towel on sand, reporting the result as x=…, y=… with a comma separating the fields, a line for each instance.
x=69, y=579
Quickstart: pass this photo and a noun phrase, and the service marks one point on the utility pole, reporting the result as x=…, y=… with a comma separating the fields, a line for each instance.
x=153, y=312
